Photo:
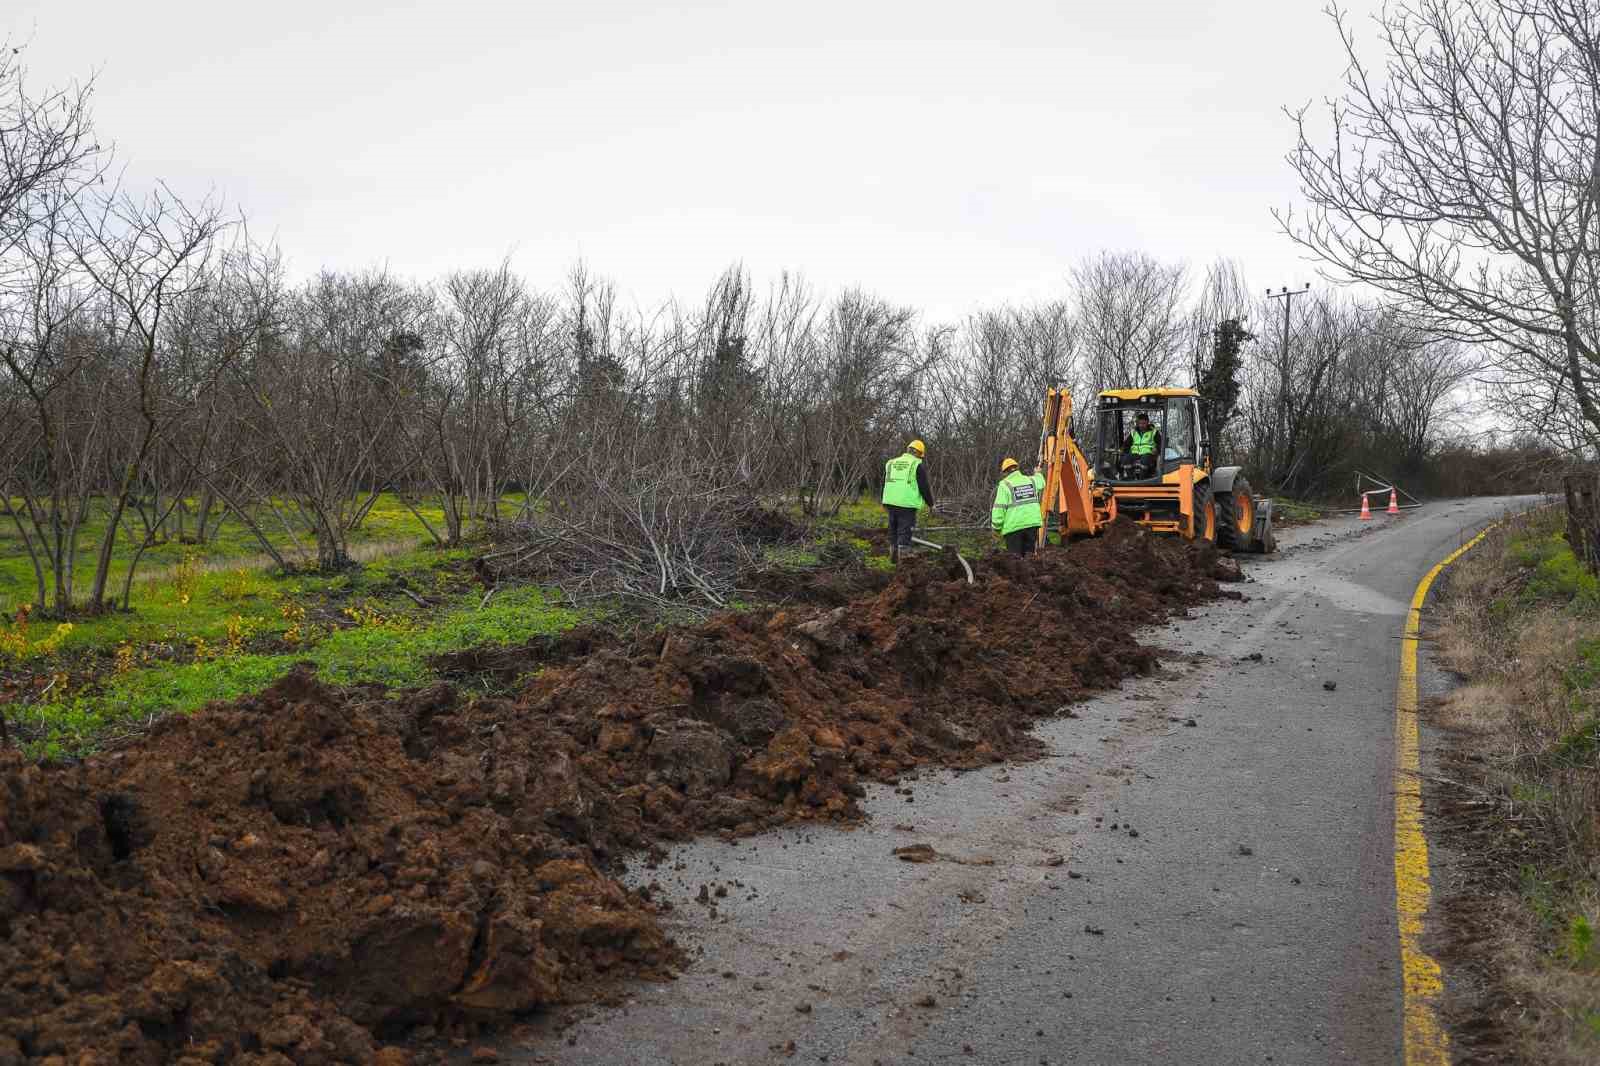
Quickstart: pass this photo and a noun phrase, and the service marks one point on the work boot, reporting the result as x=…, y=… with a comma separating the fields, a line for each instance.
x=894, y=554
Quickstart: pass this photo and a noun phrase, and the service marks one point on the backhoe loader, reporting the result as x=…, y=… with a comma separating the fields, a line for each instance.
x=1168, y=486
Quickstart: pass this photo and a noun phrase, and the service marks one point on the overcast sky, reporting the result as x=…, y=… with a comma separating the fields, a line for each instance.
x=947, y=155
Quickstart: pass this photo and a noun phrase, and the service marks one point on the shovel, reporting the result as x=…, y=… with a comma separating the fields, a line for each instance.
x=941, y=547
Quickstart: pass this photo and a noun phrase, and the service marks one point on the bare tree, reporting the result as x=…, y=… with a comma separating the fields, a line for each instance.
x=988, y=378
x=464, y=414
x=1461, y=179
x=144, y=256
x=59, y=405
x=316, y=404
x=1300, y=412
x=1131, y=321
x=1411, y=388
x=48, y=151
x=48, y=157
x=784, y=334
x=861, y=396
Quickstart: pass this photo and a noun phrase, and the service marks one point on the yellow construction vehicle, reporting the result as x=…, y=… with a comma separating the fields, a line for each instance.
x=1152, y=464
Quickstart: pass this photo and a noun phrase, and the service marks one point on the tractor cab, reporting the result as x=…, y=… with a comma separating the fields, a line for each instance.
x=1125, y=452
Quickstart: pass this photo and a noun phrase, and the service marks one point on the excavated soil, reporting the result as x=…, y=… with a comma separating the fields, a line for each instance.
x=304, y=875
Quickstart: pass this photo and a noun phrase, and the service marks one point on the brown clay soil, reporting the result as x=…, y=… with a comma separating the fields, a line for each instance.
x=310, y=875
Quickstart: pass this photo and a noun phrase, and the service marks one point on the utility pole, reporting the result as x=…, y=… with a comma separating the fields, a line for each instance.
x=1287, y=296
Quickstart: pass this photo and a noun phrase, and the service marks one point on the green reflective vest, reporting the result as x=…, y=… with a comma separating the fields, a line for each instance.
x=900, y=482
x=1144, y=443
x=1016, y=504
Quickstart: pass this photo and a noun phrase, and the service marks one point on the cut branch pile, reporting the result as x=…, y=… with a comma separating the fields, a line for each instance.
x=671, y=534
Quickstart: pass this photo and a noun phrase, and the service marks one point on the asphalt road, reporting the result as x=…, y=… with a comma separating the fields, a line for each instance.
x=1224, y=893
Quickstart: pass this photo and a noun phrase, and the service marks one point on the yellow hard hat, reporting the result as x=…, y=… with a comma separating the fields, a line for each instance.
x=917, y=446
x=1007, y=463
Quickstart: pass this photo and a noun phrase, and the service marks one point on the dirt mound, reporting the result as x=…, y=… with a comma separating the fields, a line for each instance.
x=504, y=664
x=840, y=577
x=301, y=875
x=760, y=717
x=292, y=876
x=764, y=525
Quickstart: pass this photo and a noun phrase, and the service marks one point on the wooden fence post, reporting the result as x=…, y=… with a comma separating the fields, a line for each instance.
x=1583, y=517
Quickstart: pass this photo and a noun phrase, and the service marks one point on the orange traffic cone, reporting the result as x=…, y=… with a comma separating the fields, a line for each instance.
x=1366, y=512
x=1394, y=504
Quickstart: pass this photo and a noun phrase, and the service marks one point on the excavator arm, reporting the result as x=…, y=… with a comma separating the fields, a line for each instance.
x=1068, y=490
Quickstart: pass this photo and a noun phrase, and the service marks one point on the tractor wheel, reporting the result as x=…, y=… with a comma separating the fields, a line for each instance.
x=1205, y=515
x=1236, y=517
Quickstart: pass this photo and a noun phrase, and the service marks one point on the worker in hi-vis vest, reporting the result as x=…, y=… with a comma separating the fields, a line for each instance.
x=1143, y=443
x=905, y=492
x=1016, y=515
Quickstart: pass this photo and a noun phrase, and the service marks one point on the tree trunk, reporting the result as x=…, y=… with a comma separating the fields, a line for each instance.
x=202, y=516
x=102, y=569
x=33, y=555
x=437, y=539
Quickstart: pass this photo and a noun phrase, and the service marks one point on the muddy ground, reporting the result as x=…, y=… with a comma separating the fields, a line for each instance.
x=314, y=875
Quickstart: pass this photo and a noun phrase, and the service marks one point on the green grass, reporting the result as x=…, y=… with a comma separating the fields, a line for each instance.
x=215, y=621
x=1523, y=625
x=1288, y=510
x=394, y=651
x=1558, y=576
x=1579, y=745
x=864, y=511
x=183, y=591
x=1579, y=946
x=388, y=522
x=1583, y=673
x=1539, y=894
x=173, y=614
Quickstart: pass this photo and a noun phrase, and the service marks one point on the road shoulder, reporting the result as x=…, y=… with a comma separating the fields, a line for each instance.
x=1511, y=902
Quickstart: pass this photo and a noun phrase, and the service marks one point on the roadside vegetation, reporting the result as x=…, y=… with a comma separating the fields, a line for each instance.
x=1520, y=620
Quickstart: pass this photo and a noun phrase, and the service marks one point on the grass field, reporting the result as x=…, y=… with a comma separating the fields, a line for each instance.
x=215, y=621
x=375, y=638
x=388, y=527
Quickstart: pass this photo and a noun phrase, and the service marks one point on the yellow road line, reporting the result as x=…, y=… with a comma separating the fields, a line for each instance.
x=1425, y=1041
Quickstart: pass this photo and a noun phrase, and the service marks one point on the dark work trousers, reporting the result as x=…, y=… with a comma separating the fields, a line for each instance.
x=902, y=523
x=1023, y=541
